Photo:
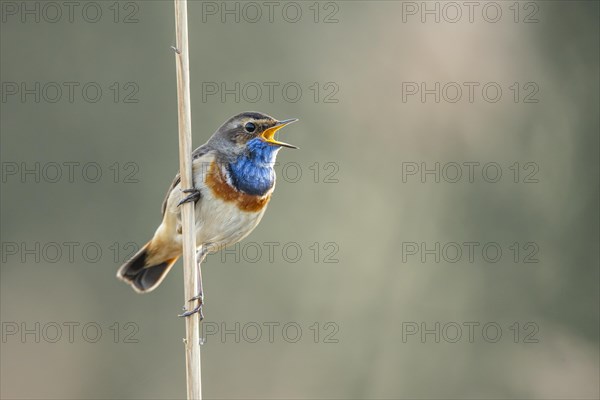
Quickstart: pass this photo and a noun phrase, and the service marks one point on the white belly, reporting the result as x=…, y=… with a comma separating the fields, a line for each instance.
x=221, y=224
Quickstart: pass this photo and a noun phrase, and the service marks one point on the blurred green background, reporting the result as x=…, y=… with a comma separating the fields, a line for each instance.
x=351, y=202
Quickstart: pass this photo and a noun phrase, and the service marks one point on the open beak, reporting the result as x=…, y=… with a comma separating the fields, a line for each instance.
x=269, y=134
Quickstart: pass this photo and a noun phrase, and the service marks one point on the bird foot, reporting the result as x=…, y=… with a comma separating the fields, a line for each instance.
x=194, y=195
x=197, y=309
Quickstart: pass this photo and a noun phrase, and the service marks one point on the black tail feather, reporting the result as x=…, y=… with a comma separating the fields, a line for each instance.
x=142, y=277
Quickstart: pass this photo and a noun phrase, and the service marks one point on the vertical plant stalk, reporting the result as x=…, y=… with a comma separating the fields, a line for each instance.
x=192, y=323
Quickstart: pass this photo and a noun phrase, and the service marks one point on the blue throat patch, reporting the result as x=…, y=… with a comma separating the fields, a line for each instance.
x=253, y=172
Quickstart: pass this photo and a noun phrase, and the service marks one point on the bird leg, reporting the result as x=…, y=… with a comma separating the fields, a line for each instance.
x=200, y=255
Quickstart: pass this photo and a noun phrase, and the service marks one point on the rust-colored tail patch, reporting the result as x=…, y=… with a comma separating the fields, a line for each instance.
x=143, y=274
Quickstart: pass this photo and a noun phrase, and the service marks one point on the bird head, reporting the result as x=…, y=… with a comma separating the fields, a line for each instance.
x=250, y=128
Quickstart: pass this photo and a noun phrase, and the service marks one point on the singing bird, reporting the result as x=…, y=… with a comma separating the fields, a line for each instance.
x=233, y=182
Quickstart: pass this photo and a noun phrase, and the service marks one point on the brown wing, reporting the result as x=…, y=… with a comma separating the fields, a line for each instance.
x=173, y=184
x=199, y=152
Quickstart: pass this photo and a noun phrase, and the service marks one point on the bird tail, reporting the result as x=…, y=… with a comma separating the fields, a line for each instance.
x=142, y=272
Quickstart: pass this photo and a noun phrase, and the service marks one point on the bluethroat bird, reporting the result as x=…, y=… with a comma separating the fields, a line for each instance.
x=233, y=182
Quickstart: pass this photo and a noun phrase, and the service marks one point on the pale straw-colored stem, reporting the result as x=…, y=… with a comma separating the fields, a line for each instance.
x=192, y=323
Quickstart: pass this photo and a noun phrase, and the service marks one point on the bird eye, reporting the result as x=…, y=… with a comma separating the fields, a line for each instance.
x=250, y=127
